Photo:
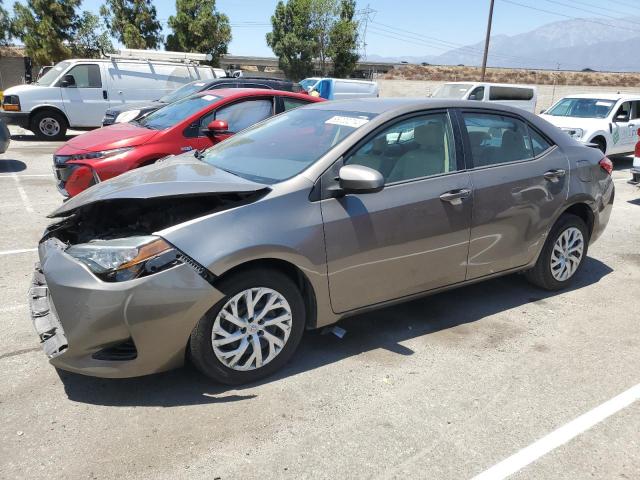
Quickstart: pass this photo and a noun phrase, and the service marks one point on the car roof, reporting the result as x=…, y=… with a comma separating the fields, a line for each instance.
x=400, y=105
x=491, y=84
x=253, y=92
x=605, y=96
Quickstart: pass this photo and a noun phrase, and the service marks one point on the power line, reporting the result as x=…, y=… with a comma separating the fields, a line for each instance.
x=565, y=16
x=600, y=7
x=595, y=13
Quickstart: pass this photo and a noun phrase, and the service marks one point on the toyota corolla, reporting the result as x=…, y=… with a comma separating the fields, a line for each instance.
x=317, y=214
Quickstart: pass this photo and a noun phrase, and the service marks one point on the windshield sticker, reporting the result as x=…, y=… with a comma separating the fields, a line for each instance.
x=199, y=84
x=601, y=103
x=353, y=122
x=209, y=98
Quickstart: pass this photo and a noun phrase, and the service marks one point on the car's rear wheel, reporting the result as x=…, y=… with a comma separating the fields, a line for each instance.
x=563, y=254
x=252, y=331
x=49, y=125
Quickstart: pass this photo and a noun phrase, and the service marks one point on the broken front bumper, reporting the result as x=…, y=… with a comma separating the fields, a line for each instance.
x=121, y=329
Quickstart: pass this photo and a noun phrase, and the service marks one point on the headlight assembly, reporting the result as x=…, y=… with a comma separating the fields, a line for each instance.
x=126, y=258
x=127, y=116
x=576, y=133
x=92, y=155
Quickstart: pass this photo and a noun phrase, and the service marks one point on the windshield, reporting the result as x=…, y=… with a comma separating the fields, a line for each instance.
x=174, y=113
x=308, y=82
x=452, y=90
x=284, y=146
x=582, y=108
x=183, y=91
x=47, y=79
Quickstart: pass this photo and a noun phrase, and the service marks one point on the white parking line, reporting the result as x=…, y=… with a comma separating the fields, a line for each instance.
x=559, y=437
x=11, y=175
x=23, y=195
x=22, y=250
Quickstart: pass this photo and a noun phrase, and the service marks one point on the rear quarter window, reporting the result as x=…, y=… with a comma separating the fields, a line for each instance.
x=510, y=93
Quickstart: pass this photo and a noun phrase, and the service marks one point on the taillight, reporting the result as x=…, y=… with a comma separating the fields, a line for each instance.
x=606, y=165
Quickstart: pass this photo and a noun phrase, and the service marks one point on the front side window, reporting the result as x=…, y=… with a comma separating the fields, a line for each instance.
x=477, y=94
x=286, y=144
x=624, y=111
x=86, y=76
x=497, y=139
x=415, y=148
x=243, y=114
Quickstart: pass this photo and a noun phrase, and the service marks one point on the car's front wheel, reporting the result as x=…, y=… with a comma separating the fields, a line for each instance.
x=49, y=125
x=562, y=255
x=252, y=331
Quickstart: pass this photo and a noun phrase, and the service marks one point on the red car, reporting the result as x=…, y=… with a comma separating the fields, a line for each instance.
x=179, y=127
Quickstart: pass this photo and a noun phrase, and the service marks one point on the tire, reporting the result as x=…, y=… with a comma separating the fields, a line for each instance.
x=601, y=143
x=49, y=125
x=209, y=360
x=550, y=277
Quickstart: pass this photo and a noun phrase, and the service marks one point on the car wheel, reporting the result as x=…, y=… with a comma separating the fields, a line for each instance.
x=49, y=125
x=252, y=331
x=562, y=255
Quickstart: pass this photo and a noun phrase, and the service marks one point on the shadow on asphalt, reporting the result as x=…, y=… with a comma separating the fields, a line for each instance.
x=32, y=138
x=635, y=201
x=384, y=328
x=622, y=162
x=11, y=166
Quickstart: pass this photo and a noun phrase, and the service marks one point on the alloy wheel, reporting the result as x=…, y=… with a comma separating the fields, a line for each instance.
x=251, y=329
x=567, y=254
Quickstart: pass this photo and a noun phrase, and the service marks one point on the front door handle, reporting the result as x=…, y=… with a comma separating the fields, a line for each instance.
x=104, y=94
x=455, y=197
x=554, y=175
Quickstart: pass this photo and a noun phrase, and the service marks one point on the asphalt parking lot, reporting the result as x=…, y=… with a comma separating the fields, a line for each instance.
x=444, y=387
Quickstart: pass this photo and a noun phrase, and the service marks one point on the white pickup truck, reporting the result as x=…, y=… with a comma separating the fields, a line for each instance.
x=610, y=121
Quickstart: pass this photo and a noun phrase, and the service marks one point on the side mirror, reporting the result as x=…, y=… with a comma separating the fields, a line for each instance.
x=622, y=118
x=216, y=127
x=542, y=111
x=68, y=81
x=360, y=179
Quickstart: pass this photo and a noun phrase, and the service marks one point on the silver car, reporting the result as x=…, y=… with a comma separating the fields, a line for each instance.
x=320, y=213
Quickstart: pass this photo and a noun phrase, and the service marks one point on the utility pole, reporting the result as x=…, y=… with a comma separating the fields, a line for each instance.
x=486, y=41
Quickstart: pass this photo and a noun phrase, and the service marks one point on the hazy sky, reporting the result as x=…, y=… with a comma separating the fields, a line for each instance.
x=441, y=25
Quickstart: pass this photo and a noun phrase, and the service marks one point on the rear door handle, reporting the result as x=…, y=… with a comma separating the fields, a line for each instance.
x=455, y=197
x=554, y=175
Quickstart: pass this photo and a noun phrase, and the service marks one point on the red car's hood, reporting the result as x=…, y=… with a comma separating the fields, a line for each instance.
x=107, y=138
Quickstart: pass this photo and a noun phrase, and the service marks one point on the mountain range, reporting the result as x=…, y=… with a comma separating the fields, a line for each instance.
x=598, y=44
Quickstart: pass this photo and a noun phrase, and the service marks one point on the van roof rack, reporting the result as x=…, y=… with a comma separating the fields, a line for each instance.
x=179, y=57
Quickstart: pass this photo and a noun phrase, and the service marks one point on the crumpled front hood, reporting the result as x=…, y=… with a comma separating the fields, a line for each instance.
x=182, y=175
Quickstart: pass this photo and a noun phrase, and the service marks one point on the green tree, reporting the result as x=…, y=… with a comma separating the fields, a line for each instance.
x=91, y=38
x=5, y=26
x=46, y=28
x=198, y=27
x=323, y=18
x=291, y=39
x=343, y=40
x=133, y=22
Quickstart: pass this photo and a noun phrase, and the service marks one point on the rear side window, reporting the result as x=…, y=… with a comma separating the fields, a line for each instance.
x=415, y=148
x=497, y=139
x=290, y=103
x=243, y=114
x=86, y=76
x=510, y=93
x=538, y=142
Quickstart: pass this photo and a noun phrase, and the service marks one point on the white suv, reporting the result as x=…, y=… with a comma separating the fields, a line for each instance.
x=610, y=121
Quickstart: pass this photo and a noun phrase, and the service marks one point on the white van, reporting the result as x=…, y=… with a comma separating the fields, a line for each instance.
x=519, y=96
x=76, y=93
x=340, y=88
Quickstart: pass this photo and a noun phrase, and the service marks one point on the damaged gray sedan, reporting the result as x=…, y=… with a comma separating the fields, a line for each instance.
x=322, y=212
